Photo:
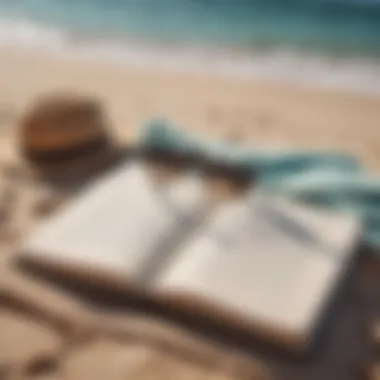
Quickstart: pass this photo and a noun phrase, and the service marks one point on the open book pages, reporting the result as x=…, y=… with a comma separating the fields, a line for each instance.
x=266, y=265
x=119, y=224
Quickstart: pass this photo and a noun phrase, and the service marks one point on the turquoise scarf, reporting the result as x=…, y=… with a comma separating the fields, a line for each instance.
x=322, y=178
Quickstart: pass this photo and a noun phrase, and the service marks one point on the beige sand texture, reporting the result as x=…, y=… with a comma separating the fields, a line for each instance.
x=49, y=332
x=256, y=113
x=270, y=114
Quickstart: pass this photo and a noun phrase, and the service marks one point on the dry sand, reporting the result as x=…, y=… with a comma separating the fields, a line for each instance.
x=261, y=113
x=257, y=113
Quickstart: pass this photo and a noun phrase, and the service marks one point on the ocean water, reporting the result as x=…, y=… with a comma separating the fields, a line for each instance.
x=321, y=42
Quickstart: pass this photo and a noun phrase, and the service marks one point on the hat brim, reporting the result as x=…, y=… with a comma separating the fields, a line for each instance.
x=83, y=168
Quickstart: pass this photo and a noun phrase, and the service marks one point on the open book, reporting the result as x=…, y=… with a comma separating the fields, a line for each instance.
x=265, y=266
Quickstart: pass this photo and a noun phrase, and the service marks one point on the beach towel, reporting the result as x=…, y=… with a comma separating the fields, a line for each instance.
x=322, y=178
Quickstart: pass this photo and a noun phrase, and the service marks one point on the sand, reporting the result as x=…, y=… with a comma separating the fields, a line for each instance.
x=260, y=113
x=256, y=113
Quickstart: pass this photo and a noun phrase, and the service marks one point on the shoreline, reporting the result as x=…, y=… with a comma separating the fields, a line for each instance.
x=333, y=70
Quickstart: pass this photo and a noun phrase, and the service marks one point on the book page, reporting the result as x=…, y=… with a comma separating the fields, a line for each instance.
x=117, y=224
x=267, y=261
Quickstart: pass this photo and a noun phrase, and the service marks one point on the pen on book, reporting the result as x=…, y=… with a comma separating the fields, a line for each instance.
x=294, y=228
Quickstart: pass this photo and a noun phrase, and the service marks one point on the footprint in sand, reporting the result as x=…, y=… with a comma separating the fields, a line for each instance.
x=7, y=114
x=46, y=205
x=16, y=172
x=264, y=119
x=214, y=114
x=240, y=122
x=9, y=199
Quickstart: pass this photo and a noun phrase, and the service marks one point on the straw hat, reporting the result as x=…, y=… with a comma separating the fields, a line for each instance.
x=66, y=135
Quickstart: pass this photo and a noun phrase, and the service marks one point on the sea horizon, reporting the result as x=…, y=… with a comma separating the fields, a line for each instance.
x=326, y=43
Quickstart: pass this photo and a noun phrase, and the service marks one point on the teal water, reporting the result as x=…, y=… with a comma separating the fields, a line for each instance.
x=337, y=26
x=327, y=43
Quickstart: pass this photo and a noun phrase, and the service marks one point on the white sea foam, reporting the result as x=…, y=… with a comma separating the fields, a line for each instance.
x=29, y=35
x=351, y=74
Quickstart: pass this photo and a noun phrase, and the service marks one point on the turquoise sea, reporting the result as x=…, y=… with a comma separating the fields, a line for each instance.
x=258, y=33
